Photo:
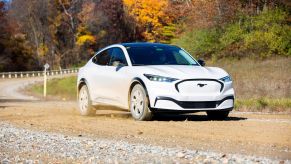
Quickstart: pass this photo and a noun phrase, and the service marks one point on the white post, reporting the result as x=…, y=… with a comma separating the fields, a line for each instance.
x=46, y=66
x=44, y=83
x=61, y=71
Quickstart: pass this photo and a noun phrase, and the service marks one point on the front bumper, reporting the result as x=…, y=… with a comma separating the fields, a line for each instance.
x=168, y=96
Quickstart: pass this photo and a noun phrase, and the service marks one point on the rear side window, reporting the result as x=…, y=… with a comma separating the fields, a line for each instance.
x=102, y=58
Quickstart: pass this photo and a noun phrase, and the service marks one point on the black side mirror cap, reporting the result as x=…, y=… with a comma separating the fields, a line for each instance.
x=201, y=62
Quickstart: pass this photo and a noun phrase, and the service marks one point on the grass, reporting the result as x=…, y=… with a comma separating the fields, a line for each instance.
x=64, y=88
x=259, y=78
x=263, y=104
x=259, y=85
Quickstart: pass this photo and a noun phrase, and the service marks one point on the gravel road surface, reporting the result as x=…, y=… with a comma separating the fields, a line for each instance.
x=33, y=130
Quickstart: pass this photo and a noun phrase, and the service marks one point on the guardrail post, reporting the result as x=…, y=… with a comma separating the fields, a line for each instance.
x=21, y=75
x=15, y=75
x=3, y=76
x=44, y=84
x=46, y=66
x=9, y=76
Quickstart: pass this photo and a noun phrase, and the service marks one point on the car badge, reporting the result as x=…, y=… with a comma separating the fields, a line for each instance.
x=201, y=85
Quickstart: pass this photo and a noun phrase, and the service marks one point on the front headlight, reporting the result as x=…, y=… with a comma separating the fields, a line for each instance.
x=159, y=78
x=226, y=79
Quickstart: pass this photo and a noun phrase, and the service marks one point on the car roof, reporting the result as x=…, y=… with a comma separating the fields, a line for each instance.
x=143, y=44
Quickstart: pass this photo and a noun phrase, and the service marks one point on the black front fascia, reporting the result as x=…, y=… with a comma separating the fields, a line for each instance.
x=194, y=104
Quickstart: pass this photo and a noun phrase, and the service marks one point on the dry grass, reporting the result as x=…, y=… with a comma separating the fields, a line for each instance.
x=255, y=79
x=263, y=105
x=260, y=85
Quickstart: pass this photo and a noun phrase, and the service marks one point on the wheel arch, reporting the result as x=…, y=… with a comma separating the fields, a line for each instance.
x=81, y=83
x=135, y=81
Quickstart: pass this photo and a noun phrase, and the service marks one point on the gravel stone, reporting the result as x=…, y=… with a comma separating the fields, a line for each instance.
x=29, y=146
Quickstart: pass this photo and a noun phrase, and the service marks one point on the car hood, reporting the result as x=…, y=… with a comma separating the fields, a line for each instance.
x=183, y=71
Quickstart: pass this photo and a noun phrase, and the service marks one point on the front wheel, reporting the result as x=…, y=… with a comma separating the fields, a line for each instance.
x=85, y=104
x=217, y=115
x=139, y=104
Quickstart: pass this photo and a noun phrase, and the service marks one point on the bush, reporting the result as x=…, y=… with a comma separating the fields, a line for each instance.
x=261, y=35
x=200, y=42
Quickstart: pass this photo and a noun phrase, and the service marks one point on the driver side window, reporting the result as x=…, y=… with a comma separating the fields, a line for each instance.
x=110, y=57
x=117, y=55
x=102, y=58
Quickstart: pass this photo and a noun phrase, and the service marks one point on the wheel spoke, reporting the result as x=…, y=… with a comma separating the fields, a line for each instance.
x=137, y=103
x=83, y=100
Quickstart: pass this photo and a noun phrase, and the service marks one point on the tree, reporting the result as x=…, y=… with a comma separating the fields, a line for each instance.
x=150, y=16
x=14, y=47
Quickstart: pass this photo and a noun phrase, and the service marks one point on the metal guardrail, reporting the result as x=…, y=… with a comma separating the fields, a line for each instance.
x=9, y=75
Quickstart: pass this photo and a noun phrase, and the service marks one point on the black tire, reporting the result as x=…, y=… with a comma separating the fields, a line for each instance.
x=84, y=102
x=139, y=104
x=217, y=115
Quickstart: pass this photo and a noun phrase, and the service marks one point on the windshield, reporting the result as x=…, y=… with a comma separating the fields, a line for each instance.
x=159, y=55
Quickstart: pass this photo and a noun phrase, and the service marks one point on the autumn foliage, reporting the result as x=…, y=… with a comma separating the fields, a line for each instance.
x=150, y=17
x=66, y=33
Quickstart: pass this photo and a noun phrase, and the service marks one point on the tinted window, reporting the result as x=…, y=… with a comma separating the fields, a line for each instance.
x=159, y=55
x=117, y=55
x=102, y=58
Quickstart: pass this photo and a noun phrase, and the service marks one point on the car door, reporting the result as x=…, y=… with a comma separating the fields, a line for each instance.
x=109, y=77
x=97, y=79
x=118, y=77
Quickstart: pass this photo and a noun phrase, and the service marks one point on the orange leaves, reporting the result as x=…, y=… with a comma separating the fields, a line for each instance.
x=42, y=49
x=150, y=16
x=85, y=38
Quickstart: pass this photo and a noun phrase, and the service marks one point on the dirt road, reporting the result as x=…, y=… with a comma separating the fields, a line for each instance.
x=249, y=134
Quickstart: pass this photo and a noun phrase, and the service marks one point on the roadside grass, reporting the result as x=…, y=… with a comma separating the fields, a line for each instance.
x=255, y=78
x=263, y=104
x=262, y=86
x=64, y=88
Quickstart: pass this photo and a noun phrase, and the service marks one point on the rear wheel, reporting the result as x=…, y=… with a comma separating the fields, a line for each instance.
x=85, y=104
x=217, y=115
x=139, y=104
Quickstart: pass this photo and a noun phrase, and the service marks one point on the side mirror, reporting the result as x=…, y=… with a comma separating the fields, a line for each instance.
x=201, y=62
